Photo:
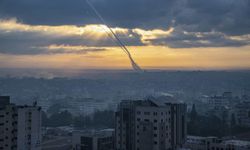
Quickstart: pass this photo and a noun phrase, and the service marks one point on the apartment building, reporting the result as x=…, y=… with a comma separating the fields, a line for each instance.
x=19, y=126
x=153, y=124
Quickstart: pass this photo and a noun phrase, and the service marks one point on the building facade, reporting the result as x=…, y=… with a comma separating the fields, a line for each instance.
x=242, y=113
x=221, y=101
x=93, y=140
x=214, y=143
x=150, y=125
x=19, y=126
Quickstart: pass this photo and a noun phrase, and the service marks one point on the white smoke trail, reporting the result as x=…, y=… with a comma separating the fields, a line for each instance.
x=135, y=66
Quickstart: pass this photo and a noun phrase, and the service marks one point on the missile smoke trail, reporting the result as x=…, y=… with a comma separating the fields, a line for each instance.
x=135, y=66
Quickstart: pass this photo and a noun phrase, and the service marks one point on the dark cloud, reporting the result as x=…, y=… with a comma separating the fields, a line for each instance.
x=129, y=13
x=227, y=16
x=180, y=39
x=216, y=20
x=231, y=17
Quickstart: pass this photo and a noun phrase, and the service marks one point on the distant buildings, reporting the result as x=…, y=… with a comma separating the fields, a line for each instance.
x=214, y=143
x=218, y=102
x=242, y=113
x=150, y=125
x=93, y=140
x=230, y=109
x=19, y=126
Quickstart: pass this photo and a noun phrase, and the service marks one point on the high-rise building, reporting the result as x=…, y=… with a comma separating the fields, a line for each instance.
x=150, y=125
x=19, y=126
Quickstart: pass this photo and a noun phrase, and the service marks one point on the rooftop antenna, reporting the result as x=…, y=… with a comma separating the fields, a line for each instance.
x=134, y=65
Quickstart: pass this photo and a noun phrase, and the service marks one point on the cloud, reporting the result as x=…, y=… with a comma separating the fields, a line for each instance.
x=127, y=14
x=12, y=25
x=139, y=22
x=148, y=36
x=20, y=38
x=231, y=17
x=183, y=39
x=76, y=49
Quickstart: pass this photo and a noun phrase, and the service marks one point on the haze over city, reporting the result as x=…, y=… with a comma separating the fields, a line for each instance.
x=124, y=74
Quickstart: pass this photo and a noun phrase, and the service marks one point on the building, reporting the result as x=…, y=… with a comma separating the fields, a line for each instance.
x=214, y=143
x=153, y=124
x=221, y=101
x=19, y=126
x=200, y=143
x=93, y=140
x=242, y=113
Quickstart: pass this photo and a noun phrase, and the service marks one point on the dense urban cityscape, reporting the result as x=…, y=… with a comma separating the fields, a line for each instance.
x=167, y=114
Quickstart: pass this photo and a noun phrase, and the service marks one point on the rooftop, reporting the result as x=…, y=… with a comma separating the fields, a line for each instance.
x=237, y=142
x=95, y=133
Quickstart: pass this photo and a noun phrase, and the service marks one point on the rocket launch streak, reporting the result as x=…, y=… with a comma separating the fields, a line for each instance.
x=135, y=66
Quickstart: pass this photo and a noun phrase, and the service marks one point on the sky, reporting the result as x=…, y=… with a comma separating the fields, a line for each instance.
x=160, y=34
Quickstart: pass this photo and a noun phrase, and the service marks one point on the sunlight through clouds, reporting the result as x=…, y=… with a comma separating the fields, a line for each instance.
x=88, y=46
x=148, y=35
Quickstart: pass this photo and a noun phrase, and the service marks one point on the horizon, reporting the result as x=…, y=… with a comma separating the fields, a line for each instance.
x=95, y=73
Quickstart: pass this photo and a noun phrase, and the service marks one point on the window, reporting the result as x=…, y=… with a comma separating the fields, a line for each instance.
x=155, y=113
x=146, y=120
x=155, y=142
x=138, y=112
x=146, y=113
x=155, y=128
x=155, y=120
x=155, y=135
x=138, y=119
